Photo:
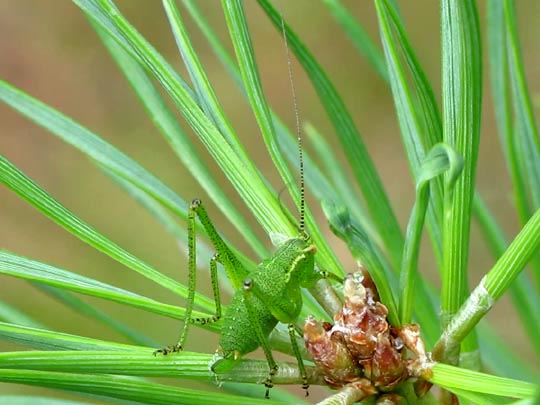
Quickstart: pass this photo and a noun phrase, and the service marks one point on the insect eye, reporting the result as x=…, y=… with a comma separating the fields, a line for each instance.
x=306, y=236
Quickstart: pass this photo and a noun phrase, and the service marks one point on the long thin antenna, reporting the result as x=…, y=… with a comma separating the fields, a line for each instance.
x=301, y=223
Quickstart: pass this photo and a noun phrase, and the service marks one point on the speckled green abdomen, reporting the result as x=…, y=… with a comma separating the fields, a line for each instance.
x=237, y=333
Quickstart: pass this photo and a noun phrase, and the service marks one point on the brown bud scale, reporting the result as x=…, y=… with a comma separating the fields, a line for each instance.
x=361, y=349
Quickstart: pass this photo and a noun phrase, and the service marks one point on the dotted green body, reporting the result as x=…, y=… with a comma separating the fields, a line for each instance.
x=269, y=294
x=279, y=278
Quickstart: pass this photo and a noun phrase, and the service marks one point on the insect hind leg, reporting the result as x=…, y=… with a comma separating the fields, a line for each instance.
x=223, y=255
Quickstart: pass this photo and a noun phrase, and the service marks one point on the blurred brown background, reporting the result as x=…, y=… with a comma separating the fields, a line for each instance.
x=49, y=50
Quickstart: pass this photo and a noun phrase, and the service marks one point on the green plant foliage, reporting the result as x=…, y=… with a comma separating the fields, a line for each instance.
x=441, y=141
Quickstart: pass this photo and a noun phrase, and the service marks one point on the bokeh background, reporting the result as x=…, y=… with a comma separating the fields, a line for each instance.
x=48, y=49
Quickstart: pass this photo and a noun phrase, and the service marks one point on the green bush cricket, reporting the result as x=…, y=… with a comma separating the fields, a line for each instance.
x=269, y=294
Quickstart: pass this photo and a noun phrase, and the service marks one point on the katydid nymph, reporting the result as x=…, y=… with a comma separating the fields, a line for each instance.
x=264, y=296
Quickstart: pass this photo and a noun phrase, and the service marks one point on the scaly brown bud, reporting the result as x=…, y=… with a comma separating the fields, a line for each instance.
x=361, y=351
x=387, y=366
x=330, y=354
x=367, y=282
x=391, y=399
x=361, y=319
x=364, y=386
x=410, y=335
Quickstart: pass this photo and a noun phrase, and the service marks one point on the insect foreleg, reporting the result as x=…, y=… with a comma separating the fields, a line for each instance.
x=328, y=275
